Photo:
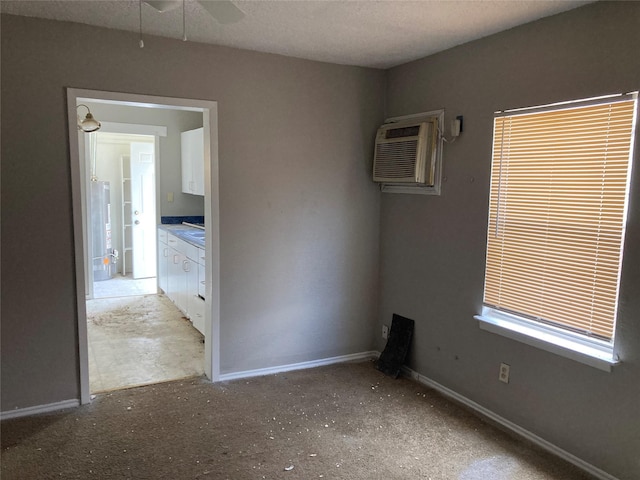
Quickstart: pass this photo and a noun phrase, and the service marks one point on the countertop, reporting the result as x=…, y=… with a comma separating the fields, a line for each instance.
x=192, y=235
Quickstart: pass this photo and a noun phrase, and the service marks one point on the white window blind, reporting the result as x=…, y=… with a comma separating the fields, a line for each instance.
x=559, y=186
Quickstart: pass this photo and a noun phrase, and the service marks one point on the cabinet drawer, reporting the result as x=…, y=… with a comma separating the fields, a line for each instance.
x=172, y=240
x=189, y=251
x=162, y=235
x=201, y=256
x=185, y=248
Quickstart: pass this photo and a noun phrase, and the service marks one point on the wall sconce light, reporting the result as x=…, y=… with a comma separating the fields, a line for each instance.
x=89, y=124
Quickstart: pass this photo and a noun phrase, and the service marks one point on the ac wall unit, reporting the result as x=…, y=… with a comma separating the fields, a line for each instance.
x=405, y=153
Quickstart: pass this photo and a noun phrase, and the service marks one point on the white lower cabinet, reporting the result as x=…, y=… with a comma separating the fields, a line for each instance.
x=196, y=304
x=163, y=260
x=175, y=277
x=182, y=277
x=196, y=289
x=201, y=280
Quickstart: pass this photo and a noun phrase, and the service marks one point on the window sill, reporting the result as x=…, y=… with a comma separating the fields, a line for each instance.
x=552, y=340
x=413, y=189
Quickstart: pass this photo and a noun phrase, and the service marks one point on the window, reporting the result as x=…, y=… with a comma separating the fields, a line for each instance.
x=559, y=188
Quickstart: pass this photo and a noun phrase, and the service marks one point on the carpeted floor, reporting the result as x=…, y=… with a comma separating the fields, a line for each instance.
x=345, y=421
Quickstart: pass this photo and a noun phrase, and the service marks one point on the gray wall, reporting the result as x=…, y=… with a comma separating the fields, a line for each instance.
x=168, y=167
x=299, y=214
x=432, y=248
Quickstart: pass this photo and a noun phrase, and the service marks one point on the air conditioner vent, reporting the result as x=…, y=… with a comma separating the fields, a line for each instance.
x=396, y=160
x=412, y=131
x=405, y=153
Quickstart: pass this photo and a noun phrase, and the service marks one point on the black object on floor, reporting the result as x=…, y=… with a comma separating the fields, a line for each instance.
x=395, y=352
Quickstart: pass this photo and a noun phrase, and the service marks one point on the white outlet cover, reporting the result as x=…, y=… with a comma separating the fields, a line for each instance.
x=504, y=373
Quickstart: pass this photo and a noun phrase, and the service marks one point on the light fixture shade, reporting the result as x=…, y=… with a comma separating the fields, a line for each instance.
x=89, y=124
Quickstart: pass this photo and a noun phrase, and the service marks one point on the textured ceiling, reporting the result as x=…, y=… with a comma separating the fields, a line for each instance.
x=371, y=33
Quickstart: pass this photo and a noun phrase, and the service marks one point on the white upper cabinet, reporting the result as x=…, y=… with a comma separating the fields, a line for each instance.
x=193, y=161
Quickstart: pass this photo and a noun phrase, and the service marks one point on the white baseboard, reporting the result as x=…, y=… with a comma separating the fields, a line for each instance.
x=50, y=407
x=299, y=366
x=533, y=438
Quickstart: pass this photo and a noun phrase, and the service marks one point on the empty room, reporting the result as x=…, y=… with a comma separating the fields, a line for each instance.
x=456, y=181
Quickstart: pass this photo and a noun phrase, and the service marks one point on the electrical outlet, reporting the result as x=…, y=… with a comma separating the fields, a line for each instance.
x=504, y=373
x=385, y=331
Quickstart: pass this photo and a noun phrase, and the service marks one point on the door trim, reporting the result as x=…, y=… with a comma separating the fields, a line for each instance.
x=209, y=110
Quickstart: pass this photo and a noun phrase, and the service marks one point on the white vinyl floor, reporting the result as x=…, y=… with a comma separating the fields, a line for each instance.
x=120, y=286
x=138, y=340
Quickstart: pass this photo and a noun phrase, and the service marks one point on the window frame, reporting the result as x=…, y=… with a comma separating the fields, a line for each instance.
x=591, y=351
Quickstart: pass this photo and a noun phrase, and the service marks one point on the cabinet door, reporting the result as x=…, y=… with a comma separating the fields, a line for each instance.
x=185, y=299
x=202, y=281
x=198, y=161
x=186, y=149
x=192, y=149
x=173, y=264
x=163, y=266
x=197, y=314
x=176, y=282
x=195, y=304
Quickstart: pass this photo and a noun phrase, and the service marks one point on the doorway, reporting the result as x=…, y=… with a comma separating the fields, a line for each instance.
x=135, y=335
x=122, y=213
x=208, y=110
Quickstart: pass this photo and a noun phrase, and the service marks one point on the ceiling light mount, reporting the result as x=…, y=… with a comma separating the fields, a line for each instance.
x=223, y=11
x=163, y=5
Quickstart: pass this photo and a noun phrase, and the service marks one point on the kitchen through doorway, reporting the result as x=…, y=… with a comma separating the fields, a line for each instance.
x=135, y=335
x=131, y=329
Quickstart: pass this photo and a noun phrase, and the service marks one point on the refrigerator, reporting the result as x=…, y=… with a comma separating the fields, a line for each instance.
x=103, y=256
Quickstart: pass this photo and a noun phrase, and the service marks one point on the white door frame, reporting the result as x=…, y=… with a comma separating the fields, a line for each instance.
x=209, y=110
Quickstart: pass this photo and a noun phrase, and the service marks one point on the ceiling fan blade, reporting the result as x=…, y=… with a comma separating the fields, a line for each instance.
x=224, y=11
x=164, y=5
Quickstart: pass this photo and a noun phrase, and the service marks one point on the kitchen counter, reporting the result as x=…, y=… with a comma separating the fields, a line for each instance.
x=192, y=235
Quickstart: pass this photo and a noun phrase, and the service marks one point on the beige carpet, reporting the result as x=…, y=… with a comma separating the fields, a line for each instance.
x=339, y=422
